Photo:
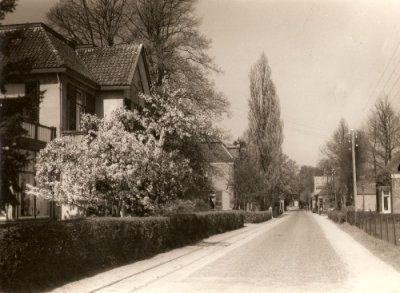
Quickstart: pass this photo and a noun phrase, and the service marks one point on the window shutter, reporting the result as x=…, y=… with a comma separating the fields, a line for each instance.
x=71, y=96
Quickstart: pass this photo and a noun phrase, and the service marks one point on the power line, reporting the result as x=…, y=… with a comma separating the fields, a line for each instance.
x=383, y=73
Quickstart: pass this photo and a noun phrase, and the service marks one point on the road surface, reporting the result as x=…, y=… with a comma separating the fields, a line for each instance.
x=299, y=252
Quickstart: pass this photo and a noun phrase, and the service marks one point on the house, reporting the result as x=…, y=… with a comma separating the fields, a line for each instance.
x=366, y=195
x=221, y=163
x=317, y=200
x=324, y=194
x=388, y=197
x=73, y=80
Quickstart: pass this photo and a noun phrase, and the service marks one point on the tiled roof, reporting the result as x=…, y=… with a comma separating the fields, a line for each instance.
x=45, y=48
x=216, y=152
x=109, y=66
x=99, y=61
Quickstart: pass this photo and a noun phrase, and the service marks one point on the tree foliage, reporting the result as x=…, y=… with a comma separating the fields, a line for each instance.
x=97, y=22
x=265, y=126
x=12, y=159
x=383, y=129
x=248, y=180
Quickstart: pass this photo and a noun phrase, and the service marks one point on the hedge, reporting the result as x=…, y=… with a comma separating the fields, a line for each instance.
x=337, y=216
x=257, y=217
x=39, y=255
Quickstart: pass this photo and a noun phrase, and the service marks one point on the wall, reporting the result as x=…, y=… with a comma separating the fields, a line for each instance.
x=366, y=202
x=221, y=176
x=49, y=113
x=396, y=193
x=143, y=75
x=111, y=100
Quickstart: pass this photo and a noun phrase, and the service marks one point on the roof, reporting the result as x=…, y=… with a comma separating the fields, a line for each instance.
x=216, y=152
x=106, y=66
x=44, y=47
x=234, y=150
x=98, y=60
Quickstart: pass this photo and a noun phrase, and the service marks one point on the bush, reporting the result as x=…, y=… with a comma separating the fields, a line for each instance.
x=257, y=217
x=337, y=216
x=38, y=255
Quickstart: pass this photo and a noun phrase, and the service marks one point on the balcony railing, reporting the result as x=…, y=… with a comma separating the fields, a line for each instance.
x=76, y=135
x=39, y=132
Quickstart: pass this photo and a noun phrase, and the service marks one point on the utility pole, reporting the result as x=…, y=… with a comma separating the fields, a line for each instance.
x=353, y=155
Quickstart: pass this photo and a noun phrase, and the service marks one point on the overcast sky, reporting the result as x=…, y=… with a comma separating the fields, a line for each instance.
x=329, y=60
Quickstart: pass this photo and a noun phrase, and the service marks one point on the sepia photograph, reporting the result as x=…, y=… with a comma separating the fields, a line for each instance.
x=200, y=146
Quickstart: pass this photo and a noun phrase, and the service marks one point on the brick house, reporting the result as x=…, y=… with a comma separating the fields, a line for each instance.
x=74, y=80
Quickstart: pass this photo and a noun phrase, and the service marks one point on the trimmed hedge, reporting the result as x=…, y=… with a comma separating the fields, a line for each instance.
x=337, y=216
x=39, y=255
x=257, y=217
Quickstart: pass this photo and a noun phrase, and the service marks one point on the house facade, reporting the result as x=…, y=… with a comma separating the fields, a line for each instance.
x=221, y=162
x=366, y=199
x=72, y=80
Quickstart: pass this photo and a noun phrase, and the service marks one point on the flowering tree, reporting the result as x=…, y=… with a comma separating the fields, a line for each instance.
x=123, y=159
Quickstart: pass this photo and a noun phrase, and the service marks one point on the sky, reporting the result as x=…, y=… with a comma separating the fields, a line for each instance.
x=330, y=59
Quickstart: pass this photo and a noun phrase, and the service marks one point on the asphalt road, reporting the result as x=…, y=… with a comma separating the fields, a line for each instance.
x=298, y=252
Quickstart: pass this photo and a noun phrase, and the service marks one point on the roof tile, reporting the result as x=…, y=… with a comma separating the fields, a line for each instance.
x=113, y=65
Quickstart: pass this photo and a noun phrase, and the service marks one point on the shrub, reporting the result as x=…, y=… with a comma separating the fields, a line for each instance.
x=38, y=255
x=257, y=217
x=337, y=216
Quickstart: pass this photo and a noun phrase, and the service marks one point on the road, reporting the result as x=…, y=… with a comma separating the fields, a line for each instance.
x=299, y=252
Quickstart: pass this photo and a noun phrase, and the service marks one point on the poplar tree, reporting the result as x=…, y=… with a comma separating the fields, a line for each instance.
x=265, y=127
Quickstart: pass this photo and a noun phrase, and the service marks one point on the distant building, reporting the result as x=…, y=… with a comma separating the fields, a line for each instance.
x=221, y=163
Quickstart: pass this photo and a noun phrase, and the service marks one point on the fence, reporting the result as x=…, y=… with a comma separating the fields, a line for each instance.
x=382, y=226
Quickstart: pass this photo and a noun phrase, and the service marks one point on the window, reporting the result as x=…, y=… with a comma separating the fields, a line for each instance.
x=385, y=203
x=78, y=102
x=31, y=206
x=218, y=200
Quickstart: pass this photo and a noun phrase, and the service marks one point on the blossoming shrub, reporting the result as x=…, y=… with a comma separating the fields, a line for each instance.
x=38, y=255
x=257, y=217
x=123, y=160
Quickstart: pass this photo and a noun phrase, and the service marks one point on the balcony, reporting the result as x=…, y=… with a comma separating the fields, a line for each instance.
x=76, y=135
x=37, y=136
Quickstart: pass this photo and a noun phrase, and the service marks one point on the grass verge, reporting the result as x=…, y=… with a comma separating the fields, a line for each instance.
x=382, y=249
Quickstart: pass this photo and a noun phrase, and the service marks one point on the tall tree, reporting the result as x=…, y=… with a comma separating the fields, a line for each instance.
x=12, y=160
x=337, y=156
x=265, y=125
x=288, y=184
x=306, y=181
x=169, y=29
x=247, y=180
x=383, y=133
x=97, y=22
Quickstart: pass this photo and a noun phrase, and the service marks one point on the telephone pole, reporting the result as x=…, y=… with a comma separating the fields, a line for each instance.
x=353, y=155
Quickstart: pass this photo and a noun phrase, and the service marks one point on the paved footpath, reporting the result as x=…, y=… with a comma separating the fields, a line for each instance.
x=298, y=252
